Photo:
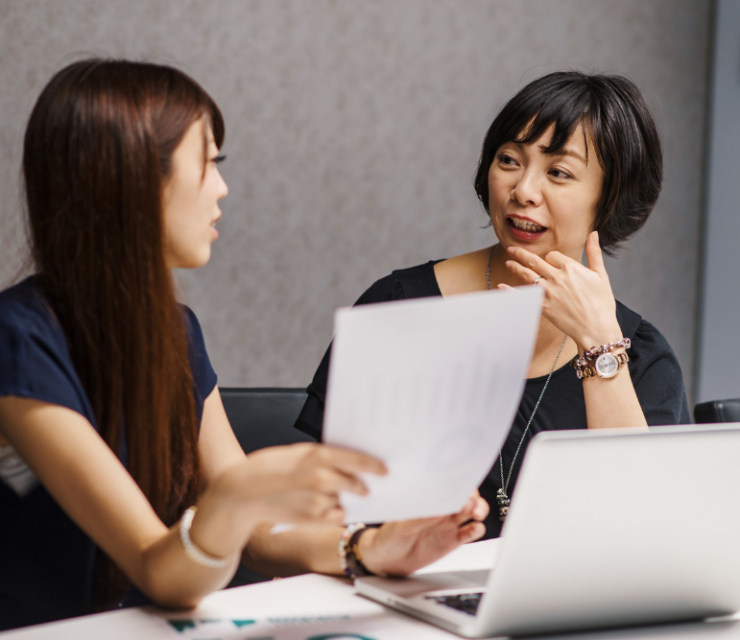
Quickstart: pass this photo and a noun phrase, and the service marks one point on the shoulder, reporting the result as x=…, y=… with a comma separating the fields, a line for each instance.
x=402, y=284
x=26, y=315
x=654, y=370
x=644, y=335
x=204, y=377
x=192, y=324
x=34, y=357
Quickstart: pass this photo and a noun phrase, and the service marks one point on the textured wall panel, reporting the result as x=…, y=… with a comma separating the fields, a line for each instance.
x=353, y=131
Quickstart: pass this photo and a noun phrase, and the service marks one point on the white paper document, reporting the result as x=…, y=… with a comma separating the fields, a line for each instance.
x=430, y=387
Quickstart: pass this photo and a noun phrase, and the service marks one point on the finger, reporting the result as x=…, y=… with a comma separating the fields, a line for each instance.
x=594, y=255
x=481, y=509
x=532, y=261
x=335, y=516
x=505, y=287
x=308, y=506
x=470, y=532
x=558, y=260
x=412, y=528
x=466, y=513
x=527, y=276
x=331, y=481
x=351, y=462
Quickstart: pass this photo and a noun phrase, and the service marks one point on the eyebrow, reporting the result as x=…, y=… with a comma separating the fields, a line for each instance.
x=566, y=152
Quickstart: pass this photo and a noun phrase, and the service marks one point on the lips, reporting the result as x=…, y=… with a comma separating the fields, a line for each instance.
x=524, y=228
x=214, y=231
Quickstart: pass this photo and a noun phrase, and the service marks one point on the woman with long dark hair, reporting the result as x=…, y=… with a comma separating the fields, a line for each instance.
x=572, y=165
x=112, y=430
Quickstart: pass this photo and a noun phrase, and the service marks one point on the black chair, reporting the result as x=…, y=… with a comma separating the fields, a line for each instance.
x=262, y=417
x=717, y=411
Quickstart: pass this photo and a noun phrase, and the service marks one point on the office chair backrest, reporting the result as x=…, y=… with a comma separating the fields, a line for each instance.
x=263, y=417
x=718, y=411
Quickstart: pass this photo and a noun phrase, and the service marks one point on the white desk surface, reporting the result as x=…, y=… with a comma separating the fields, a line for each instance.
x=313, y=607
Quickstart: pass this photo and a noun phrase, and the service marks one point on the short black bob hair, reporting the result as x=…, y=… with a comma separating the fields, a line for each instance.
x=612, y=111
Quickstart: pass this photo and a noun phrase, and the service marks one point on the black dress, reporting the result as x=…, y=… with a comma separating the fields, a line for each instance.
x=46, y=560
x=653, y=366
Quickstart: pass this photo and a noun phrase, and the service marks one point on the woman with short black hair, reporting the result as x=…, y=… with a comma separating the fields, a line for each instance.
x=572, y=163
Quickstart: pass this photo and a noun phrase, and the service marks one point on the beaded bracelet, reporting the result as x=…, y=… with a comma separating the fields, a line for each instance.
x=599, y=361
x=594, y=352
x=191, y=549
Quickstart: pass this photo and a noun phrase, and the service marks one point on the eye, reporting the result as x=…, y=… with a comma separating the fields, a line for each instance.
x=506, y=160
x=218, y=159
x=559, y=174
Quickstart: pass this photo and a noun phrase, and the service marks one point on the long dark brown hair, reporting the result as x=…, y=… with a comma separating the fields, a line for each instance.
x=97, y=153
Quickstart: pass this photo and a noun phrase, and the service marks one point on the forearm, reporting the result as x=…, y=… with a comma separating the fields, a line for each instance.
x=303, y=549
x=172, y=578
x=610, y=402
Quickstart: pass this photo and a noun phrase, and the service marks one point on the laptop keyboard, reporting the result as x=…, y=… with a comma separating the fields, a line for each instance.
x=465, y=602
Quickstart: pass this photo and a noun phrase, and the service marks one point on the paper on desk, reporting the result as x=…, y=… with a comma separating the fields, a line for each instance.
x=429, y=386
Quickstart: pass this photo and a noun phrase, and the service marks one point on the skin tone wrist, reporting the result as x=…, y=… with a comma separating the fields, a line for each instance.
x=366, y=552
x=595, y=336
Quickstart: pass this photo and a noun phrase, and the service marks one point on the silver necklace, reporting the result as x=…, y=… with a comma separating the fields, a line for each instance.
x=501, y=496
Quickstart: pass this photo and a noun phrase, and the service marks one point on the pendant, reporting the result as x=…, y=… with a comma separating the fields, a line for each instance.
x=503, y=504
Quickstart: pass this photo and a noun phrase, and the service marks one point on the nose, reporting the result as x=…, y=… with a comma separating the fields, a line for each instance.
x=527, y=190
x=223, y=189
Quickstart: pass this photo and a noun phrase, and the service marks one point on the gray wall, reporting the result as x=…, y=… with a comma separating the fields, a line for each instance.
x=719, y=343
x=353, y=131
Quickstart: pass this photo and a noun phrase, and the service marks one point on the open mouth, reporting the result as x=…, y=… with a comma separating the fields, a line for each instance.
x=525, y=229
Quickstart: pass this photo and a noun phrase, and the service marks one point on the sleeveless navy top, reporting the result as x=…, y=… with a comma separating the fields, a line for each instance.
x=46, y=561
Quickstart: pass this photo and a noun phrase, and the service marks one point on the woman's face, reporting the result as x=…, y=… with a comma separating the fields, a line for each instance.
x=545, y=202
x=190, y=199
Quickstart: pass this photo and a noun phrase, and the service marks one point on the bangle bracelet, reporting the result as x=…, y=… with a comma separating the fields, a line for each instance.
x=191, y=550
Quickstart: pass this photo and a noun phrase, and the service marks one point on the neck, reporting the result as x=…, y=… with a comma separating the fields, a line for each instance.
x=549, y=337
x=499, y=273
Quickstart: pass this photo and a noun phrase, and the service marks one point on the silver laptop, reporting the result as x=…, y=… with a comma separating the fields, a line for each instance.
x=606, y=528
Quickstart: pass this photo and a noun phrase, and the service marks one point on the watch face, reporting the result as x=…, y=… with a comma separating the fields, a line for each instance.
x=607, y=365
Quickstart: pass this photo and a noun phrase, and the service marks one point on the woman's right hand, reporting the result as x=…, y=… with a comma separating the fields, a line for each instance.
x=298, y=483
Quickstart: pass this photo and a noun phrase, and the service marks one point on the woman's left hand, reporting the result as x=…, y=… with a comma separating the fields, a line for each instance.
x=578, y=300
x=400, y=548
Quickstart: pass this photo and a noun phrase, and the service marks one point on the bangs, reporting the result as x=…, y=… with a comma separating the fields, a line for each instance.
x=566, y=110
x=613, y=116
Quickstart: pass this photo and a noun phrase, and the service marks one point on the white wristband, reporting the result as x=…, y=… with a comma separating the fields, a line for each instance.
x=191, y=550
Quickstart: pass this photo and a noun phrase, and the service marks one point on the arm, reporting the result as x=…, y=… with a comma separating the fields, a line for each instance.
x=95, y=490
x=289, y=484
x=397, y=548
x=580, y=303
